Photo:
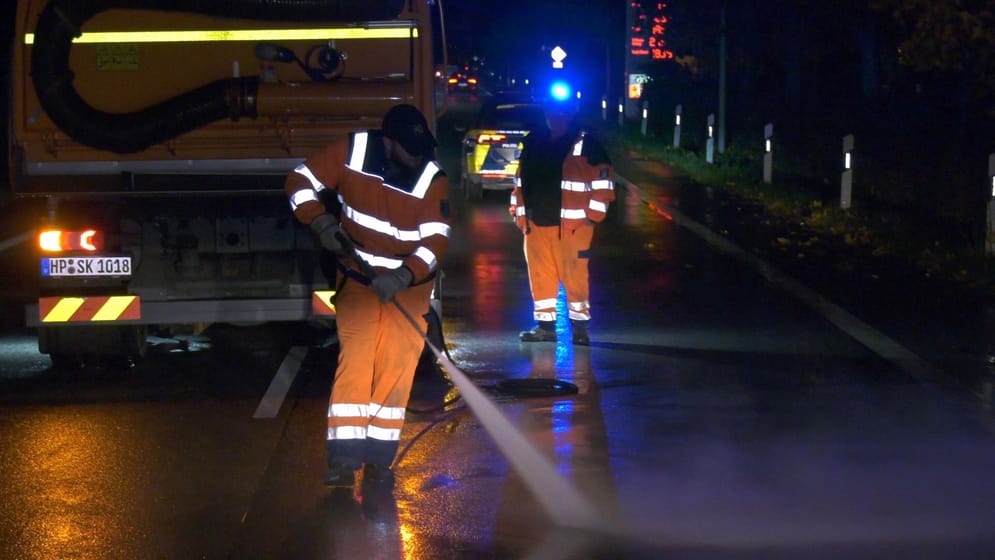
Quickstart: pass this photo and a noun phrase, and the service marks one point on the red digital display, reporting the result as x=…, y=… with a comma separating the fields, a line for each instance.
x=648, y=30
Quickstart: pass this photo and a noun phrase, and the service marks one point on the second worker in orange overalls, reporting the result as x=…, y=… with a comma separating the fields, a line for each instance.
x=564, y=185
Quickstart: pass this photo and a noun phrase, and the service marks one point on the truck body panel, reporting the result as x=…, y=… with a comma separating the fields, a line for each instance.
x=170, y=132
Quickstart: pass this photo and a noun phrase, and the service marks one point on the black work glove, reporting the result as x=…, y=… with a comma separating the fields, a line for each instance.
x=387, y=284
x=327, y=228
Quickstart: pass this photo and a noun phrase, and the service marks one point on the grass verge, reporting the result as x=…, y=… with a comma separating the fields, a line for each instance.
x=935, y=248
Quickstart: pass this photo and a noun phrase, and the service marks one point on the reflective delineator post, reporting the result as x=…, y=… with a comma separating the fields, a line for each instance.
x=990, y=237
x=710, y=143
x=846, y=181
x=645, y=117
x=768, y=153
x=677, y=126
x=604, y=108
x=621, y=112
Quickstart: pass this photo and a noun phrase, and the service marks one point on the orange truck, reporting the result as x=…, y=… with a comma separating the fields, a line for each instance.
x=160, y=134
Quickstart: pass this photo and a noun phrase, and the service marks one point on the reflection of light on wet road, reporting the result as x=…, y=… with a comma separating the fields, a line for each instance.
x=634, y=202
x=879, y=343
x=801, y=493
x=488, y=274
x=498, y=281
x=19, y=358
x=66, y=457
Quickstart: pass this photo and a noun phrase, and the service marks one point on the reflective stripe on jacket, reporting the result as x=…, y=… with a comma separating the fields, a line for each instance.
x=390, y=225
x=586, y=189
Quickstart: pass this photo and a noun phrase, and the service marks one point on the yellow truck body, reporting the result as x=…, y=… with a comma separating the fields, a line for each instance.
x=168, y=127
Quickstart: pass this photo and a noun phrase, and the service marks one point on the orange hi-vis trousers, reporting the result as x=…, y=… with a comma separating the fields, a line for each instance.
x=379, y=350
x=554, y=257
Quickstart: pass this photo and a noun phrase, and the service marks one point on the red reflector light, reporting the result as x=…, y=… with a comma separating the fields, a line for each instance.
x=55, y=240
x=485, y=138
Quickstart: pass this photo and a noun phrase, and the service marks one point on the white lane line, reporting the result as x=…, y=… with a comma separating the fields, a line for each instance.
x=879, y=343
x=14, y=241
x=269, y=407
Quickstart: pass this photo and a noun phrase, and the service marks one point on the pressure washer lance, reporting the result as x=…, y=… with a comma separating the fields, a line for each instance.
x=564, y=504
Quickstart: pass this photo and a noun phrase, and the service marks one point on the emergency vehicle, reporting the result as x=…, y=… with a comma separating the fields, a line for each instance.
x=491, y=148
x=160, y=134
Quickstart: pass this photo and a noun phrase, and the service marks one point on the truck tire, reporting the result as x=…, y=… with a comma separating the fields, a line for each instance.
x=135, y=343
x=67, y=362
x=69, y=347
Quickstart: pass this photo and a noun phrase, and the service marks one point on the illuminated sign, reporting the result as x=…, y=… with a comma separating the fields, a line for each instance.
x=636, y=83
x=558, y=54
x=648, y=23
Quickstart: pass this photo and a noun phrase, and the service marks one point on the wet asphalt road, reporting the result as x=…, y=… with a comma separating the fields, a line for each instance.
x=722, y=412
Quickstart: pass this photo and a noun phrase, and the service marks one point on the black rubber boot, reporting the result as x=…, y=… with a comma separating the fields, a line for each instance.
x=545, y=331
x=340, y=476
x=580, y=333
x=378, y=474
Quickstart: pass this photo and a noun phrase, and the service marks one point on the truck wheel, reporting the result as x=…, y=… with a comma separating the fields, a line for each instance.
x=135, y=343
x=66, y=346
x=67, y=362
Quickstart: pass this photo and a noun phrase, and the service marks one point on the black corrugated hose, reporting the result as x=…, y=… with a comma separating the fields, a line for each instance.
x=232, y=98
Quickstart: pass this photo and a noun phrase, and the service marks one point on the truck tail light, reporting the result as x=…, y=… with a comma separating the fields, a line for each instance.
x=490, y=138
x=56, y=240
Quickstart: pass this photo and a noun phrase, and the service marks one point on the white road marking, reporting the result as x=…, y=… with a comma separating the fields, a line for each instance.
x=16, y=240
x=269, y=407
x=879, y=343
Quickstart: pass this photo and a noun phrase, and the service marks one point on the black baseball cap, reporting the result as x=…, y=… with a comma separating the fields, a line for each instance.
x=407, y=125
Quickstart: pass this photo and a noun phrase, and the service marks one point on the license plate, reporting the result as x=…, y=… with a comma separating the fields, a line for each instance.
x=54, y=267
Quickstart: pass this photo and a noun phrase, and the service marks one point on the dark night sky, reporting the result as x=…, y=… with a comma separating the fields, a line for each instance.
x=512, y=37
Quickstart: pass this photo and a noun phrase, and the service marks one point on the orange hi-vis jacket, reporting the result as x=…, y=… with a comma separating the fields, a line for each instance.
x=390, y=225
x=586, y=190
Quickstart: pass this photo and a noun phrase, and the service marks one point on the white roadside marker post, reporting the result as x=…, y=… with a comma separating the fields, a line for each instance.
x=990, y=236
x=645, y=117
x=710, y=143
x=677, y=126
x=846, y=180
x=768, y=153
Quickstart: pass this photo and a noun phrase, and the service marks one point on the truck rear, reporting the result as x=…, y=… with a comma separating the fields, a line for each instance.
x=160, y=135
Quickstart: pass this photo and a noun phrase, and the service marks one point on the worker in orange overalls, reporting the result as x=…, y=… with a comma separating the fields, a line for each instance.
x=392, y=204
x=564, y=184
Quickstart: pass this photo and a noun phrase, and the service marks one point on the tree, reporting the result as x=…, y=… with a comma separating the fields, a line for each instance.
x=949, y=37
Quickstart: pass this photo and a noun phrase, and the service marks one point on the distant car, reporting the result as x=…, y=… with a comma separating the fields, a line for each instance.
x=491, y=148
x=462, y=82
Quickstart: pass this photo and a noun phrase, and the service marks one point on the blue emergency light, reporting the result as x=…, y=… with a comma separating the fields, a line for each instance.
x=560, y=91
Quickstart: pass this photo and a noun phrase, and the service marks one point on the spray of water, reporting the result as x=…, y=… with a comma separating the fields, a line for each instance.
x=564, y=504
x=559, y=498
